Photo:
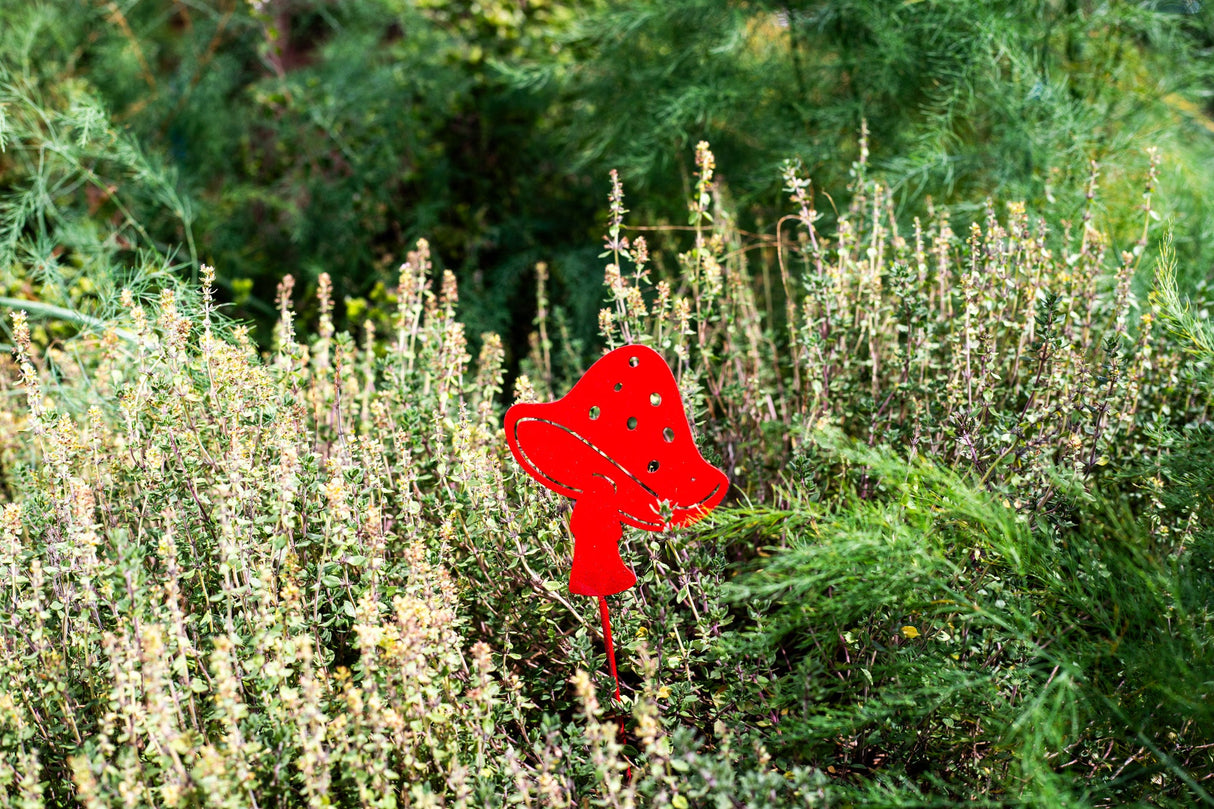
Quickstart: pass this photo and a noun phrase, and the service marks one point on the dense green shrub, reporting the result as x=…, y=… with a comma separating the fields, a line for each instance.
x=233, y=580
x=934, y=641
x=296, y=137
x=1012, y=350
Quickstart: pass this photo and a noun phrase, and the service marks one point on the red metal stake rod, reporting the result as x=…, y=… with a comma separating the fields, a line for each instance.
x=603, y=614
x=606, y=618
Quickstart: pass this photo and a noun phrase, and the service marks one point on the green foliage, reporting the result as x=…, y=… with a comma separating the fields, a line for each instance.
x=265, y=137
x=299, y=136
x=966, y=561
x=935, y=641
x=963, y=101
x=79, y=197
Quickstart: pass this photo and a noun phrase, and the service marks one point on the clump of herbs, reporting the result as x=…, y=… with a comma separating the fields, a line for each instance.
x=966, y=560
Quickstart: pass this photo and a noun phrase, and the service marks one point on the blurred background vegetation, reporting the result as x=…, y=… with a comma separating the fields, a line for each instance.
x=308, y=136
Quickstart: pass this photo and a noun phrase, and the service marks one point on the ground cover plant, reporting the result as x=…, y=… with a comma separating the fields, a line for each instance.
x=966, y=557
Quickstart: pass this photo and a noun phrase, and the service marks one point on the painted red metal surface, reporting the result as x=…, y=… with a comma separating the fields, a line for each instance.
x=619, y=444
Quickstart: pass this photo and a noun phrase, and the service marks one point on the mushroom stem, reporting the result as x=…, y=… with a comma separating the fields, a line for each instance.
x=597, y=568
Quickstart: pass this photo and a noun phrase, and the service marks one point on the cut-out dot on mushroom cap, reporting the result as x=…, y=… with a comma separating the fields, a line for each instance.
x=668, y=434
x=633, y=361
x=632, y=422
x=594, y=412
x=619, y=386
x=655, y=399
x=653, y=466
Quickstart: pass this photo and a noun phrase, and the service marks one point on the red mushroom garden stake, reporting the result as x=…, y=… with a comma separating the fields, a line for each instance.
x=619, y=444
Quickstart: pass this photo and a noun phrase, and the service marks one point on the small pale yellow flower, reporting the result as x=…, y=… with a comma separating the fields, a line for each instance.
x=910, y=632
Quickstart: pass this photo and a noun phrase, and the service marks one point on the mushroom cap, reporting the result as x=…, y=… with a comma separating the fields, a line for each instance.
x=622, y=424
